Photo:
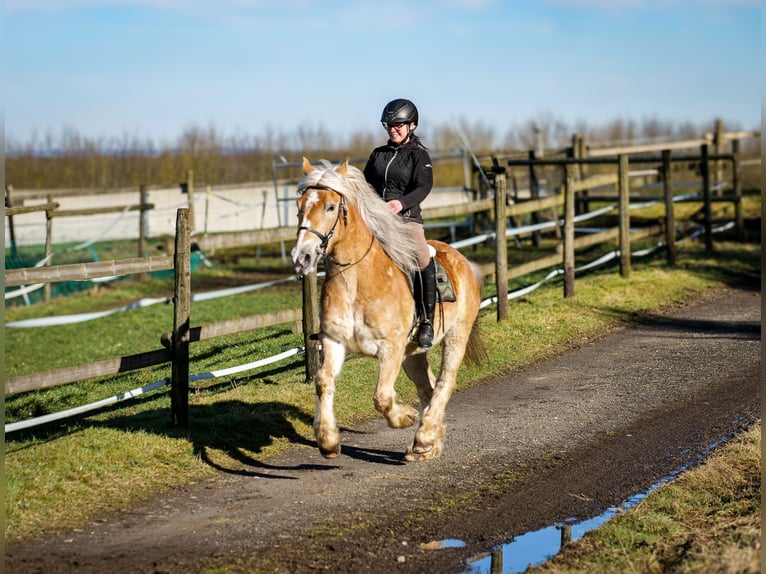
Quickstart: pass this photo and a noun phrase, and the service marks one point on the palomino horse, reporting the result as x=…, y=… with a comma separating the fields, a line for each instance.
x=367, y=306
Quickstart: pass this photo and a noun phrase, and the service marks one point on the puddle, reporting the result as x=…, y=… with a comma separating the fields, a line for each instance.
x=534, y=548
x=442, y=544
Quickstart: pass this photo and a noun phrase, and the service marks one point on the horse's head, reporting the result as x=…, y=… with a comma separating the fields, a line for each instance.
x=320, y=210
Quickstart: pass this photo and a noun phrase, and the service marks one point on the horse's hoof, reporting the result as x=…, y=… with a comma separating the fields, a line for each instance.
x=333, y=453
x=419, y=452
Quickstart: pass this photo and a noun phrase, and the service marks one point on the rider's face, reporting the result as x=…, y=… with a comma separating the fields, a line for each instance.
x=399, y=132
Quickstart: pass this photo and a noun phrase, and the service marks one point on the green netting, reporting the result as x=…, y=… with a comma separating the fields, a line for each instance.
x=17, y=257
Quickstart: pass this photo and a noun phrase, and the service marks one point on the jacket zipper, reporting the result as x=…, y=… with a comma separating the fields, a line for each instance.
x=385, y=174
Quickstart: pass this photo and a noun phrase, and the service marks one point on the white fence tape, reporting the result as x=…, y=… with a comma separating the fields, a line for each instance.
x=37, y=421
x=259, y=363
x=82, y=317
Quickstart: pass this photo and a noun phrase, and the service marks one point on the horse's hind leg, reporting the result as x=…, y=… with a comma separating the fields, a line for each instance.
x=398, y=415
x=325, y=427
x=429, y=438
x=417, y=369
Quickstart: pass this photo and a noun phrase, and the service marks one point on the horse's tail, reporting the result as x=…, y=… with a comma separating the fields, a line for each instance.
x=475, y=349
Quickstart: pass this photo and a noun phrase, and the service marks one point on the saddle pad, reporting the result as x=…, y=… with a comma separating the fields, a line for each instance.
x=445, y=291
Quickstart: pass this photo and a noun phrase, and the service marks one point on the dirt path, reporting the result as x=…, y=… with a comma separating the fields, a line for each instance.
x=564, y=438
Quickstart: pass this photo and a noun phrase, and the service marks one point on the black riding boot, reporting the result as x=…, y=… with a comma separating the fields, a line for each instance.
x=428, y=304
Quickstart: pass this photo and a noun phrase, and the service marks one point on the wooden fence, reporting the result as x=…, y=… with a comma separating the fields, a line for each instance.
x=176, y=343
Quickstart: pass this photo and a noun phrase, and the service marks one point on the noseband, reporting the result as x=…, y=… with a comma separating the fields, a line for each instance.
x=325, y=239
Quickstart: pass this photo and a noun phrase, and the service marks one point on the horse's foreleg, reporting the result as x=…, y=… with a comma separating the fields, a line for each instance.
x=325, y=427
x=398, y=415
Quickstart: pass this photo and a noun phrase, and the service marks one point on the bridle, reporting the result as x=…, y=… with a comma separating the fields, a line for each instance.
x=324, y=239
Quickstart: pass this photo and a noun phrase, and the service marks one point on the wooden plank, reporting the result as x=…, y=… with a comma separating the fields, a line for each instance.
x=521, y=269
x=100, y=210
x=649, y=231
x=595, y=181
x=593, y=239
x=246, y=238
x=11, y=211
x=28, y=194
x=629, y=149
x=62, y=376
x=534, y=205
x=84, y=271
x=460, y=209
x=238, y=325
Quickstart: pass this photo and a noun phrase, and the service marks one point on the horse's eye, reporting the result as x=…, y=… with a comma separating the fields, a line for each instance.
x=300, y=215
x=331, y=207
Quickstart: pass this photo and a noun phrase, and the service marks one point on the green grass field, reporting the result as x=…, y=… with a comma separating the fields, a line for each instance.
x=60, y=475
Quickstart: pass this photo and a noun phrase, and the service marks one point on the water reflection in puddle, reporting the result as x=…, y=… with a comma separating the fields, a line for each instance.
x=442, y=544
x=534, y=548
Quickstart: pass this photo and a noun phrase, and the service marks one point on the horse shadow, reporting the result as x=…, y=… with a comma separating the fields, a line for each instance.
x=228, y=435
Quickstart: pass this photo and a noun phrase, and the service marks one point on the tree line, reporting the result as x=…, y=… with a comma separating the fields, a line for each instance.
x=73, y=160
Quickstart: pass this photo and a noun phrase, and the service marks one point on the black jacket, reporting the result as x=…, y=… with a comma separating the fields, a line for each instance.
x=401, y=172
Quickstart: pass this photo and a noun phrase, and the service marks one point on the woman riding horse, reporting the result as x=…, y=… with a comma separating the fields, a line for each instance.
x=401, y=173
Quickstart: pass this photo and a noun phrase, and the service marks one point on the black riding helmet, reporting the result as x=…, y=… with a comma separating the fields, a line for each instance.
x=399, y=111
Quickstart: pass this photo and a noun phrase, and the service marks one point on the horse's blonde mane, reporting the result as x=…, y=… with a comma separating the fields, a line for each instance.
x=388, y=228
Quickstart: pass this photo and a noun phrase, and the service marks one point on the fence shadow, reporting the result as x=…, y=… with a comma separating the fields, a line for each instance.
x=229, y=435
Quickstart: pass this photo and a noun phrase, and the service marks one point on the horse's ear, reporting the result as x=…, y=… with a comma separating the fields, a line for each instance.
x=307, y=167
x=342, y=168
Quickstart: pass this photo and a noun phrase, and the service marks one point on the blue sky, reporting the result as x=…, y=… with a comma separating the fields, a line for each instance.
x=152, y=68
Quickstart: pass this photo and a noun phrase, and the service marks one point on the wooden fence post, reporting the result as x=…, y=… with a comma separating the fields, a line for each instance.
x=179, y=348
x=670, y=217
x=707, y=210
x=534, y=192
x=718, y=149
x=311, y=325
x=582, y=205
x=737, y=185
x=11, y=229
x=143, y=200
x=190, y=199
x=142, y=231
x=48, y=246
x=624, y=190
x=501, y=245
x=569, y=248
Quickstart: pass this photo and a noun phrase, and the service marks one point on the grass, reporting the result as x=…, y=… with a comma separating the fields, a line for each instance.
x=62, y=475
x=706, y=521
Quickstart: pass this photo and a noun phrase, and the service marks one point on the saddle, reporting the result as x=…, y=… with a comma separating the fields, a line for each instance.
x=445, y=292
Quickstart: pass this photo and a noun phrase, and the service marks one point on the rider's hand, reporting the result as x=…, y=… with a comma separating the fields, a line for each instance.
x=395, y=205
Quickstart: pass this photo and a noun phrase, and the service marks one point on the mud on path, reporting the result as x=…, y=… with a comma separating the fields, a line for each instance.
x=567, y=437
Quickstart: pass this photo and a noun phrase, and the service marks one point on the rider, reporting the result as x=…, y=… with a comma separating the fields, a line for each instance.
x=401, y=173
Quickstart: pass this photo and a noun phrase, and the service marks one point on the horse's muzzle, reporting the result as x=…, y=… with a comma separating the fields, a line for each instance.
x=304, y=260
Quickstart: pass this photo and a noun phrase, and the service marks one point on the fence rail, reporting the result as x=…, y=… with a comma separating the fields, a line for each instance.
x=176, y=343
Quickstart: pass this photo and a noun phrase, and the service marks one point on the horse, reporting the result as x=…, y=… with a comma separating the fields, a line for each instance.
x=367, y=305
